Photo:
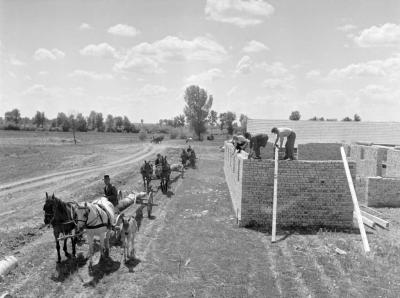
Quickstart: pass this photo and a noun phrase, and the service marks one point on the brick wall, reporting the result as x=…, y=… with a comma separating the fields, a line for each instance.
x=319, y=151
x=393, y=163
x=383, y=192
x=369, y=159
x=310, y=193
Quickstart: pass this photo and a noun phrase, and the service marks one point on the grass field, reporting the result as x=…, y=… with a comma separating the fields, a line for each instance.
x=191, y=248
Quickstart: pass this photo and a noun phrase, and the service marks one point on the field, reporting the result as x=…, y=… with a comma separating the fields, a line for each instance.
x=192, y=247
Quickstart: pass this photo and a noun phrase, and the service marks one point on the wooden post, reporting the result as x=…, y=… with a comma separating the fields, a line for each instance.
x=355, y=202
x=274, y=202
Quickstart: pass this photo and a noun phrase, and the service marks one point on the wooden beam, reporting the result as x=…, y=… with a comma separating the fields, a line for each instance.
x=368, y=222
x=275, y=198
x=355, y=202
x=377, y=220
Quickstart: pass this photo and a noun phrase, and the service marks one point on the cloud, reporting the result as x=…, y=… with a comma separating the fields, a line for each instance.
x=14, y=61
x=150, y=90
x=346, y=27
x=379, y=95
x=205, y=77
x=386, y=35
x=147, y=57
x=41, y=91
x=85, y=26
x=244, y=66
x=103, y=50
x=123, y=30
x=242, y=13
x=312, y=74
x=43, y=73
x=388, y=68
x=284, y=83
x=232, y=91
x=90, y=74
x=43, y=54
x=275, y=69
x=254, y=47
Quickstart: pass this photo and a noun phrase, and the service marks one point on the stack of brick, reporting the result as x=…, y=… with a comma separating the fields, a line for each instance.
x=319, y=151
x=393, y=163
x=383, y=192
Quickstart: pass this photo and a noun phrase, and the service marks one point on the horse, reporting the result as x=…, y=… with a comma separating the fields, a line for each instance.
x=157, y=140
x=97, y=218
x=192, y=158
x=129, y=228
x=165, y=174
x=62, y=218
x=184, y=157
x=147, y=172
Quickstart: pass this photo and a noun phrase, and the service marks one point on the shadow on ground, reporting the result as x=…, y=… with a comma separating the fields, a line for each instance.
x=69, y=266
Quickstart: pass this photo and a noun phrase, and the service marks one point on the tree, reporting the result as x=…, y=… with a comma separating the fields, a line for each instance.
x=81, y=124
x=99, y=122
x=118, y=122
x=346, y=119
x=295, y=115
x=92, y=120
x=357, y=117
x=212, y=119
x=126, y=123
x=222, y=119
x=109, y=123
x=39, y=119
x=198, y=104
x=243, y=122
x=179, y=121
x=13, y=116
x=63, y=122
x=229, y=118
x=313, y=118
x=73, y=126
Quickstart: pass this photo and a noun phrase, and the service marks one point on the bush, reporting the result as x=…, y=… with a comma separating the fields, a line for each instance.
x=183, y=136
x=173, y=134
x=11, y=126
x=142, y=135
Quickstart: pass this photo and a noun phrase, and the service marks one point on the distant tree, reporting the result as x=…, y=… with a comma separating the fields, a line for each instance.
x=198, y=105
x=295, y=115
x=313, y=118
x=72, y=122
x=126, y=124
x=63, y=122
x=179, y=121
x=243, y=122
x=212, y=119
x=109, y=124
x=99, y=122
x=347, y=119
x=92, y=120
x=222, y=120
x=13, y=116
x=81, y=124
x=230, y=117
x=160, y=122
x=118, y=122
x=321, y=119
x=39, y=119
x=357, y=117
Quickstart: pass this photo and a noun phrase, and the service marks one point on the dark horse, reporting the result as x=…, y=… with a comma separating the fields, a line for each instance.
x=164, y=172
x=184, y=157
x=147, y=172
x=61, y=216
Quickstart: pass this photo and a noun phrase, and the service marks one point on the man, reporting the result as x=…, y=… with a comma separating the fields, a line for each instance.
x=189, y=149
x=110, y=192
x=240, y=143
x=290, y=135
x=256, y=142
x=158, y=160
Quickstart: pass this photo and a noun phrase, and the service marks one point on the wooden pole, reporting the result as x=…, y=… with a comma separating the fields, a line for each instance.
x=355, y=202
x=274, y=202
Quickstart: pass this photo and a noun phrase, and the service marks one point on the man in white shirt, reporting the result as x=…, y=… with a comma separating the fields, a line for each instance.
x=290, y=135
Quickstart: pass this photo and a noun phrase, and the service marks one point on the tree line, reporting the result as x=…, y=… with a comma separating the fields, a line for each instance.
x=75, y=122
x=295, y=115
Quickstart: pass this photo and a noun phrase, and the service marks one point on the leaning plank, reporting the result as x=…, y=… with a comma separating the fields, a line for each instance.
x=274, y=202
x=355, y=202
x=371, y=209
x=377, y=220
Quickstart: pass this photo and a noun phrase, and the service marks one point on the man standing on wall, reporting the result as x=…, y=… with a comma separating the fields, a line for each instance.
x=290, y=135
x=256, y=142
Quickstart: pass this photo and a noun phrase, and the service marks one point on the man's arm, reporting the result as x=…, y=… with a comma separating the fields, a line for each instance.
x=281, y=142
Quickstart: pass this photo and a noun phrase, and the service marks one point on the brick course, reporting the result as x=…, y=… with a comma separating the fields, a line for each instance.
x=383, y=192
x=319, y=151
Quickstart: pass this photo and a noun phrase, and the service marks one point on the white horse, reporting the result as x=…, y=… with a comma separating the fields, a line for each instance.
x=176, y=167
x=97, y=218
x=128, y=227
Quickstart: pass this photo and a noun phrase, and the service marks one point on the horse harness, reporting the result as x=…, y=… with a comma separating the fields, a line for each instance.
x=103, y=224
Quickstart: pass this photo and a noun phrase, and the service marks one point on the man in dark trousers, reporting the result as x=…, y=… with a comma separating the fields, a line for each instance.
x=256, y=142
x=290, y=135
x=110, y=192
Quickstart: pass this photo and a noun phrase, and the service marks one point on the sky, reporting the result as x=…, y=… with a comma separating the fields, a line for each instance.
x=265, y=59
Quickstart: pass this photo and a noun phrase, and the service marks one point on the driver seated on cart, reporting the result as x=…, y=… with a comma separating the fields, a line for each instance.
x=158, y=160
x=110, y=192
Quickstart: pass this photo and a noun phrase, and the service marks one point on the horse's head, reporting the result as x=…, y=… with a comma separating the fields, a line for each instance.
x=81, y=215
x=48, y=209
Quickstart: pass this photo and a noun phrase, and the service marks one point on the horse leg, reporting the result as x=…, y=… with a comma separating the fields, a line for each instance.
x=90, y=241
x=66, y=249
x=102, y=254
x=73, y=242
x=107, y=243
x=58, y=250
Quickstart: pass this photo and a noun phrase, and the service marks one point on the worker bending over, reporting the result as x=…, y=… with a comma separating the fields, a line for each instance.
x=290, y=135
x=256, y=142
x=240, y=143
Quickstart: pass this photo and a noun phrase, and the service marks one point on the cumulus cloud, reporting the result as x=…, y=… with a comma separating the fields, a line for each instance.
x=312, y=74
x=242, y=13
x=346, y=27
x=147, y=57
x=41, y=91
x=379, y=36
x=244, y=66
x=275, y=69
x=103, y=50
x=388, y=68
x=254, y=47
x=85, y=26
x=43, y=54
x=150, y=90
x=123, y=30
x=284, y=83
x=379, y=95
x=90, y=74
x=16, y=62
x=205, y=77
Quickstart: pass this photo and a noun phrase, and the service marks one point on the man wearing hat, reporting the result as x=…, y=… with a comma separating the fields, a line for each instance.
x=110, y=192
x=158, y=160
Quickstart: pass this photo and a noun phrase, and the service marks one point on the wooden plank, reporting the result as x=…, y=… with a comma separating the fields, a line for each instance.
x=368, y=222
x=379, y=221
x=274, y=203
x=355, y=202
x=370, y=209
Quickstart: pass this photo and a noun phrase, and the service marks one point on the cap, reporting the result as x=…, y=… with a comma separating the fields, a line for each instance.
x=106, y=177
